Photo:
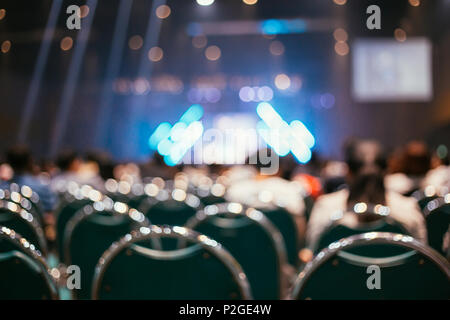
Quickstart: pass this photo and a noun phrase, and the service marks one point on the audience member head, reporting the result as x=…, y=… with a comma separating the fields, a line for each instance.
x=366, y=163
x=103, y=161
x=416, y=160
x=365, y=157
x=288, y=165
x=20, y=159
x=68, y=161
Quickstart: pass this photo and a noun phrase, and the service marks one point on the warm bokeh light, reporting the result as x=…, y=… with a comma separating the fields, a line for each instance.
x=282, y=81
x=340, y=2
x=155, y=54
x=6, y=46
x=341, y=48
x=213, y=53
x=250, y=2
x=414, y=3
x=66, y=43
x=84, y=11
x=205, y=2
x=135, y=42
x=141, y=86
x=276, y=48
x=163, y=11
x=400, y=35
x=340, y=35
x=2, y=13
x=199, y=41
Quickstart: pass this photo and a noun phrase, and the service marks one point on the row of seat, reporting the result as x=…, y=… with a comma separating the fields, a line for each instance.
x=114, y=219
x=129, y=269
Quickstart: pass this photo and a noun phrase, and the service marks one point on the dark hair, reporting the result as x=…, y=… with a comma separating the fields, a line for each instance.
x=367, y=164
x=363, y=156
x=416, y=159
x=287, y=166
x=20, y=159
x=368, y=188
x=104, y=162
x=65, y=159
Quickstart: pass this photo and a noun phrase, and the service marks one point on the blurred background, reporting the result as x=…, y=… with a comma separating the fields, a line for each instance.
x=136, y=64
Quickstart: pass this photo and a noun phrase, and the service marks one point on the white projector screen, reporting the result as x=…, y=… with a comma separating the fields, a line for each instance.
x=386, y=70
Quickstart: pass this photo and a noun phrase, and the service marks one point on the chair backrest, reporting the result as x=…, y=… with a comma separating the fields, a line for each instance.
x=285, y=223
x=437, y=218
x=419, y=273
x=23, y=272
x=170, y=207
x=25, y=198
x=204, y=270
x=382, y=223
x=22, y=222
x=252, y=239
x=427, y=194
x=91, y=231
x=67, y=209
x=71, y=201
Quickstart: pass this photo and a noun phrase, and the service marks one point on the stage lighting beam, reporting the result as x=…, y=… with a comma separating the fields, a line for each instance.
x=30, y=100
x=71, y=80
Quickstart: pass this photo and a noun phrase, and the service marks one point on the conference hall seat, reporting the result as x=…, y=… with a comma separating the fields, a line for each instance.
x=91, y=231
x=22, y=222
x=170, y=207
x=252, y=239
x=70, y=203
x=26, y=198
x=378, y=220
x=335, y=274
x=23, y=271
x=129, y=269
x=285, y=223
x=437, y=218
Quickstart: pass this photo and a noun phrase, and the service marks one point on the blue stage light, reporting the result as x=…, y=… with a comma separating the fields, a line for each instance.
x=160, y=133
x=189, y=137
x=284, y=138
x=273, y=26
x=173, y=142
x=194, y=113
x=283, y=26
x=300, y=131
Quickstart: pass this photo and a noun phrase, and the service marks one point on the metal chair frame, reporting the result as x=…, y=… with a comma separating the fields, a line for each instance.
x=29, y=249
x=156, y=232
x=337, y=248
x=257, y=217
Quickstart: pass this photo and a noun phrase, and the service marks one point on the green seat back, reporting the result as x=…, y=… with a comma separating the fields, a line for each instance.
x=170, y=212
x=67, y=211
x=438, y=222
x=339, y=231
x=21, y=226
x=189, y=274
x=414, y=276
x=211, y=199
x=285, y=223
x=22, y=278
x=424, y=201
x=90, y=238
x=252, y=247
